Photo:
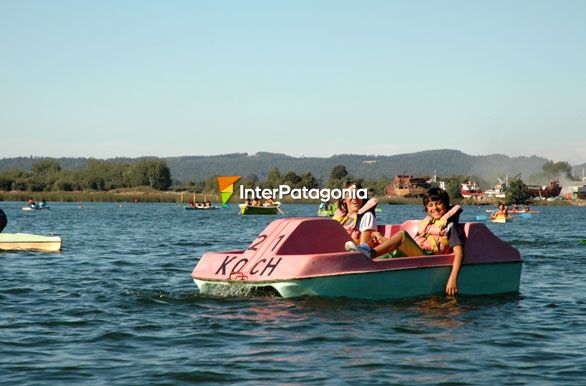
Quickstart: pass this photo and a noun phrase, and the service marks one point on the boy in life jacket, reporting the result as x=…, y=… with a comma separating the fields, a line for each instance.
x=357, y=216
x=439, y=232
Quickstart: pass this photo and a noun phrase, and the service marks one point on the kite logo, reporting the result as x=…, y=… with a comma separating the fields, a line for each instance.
x=226, y=185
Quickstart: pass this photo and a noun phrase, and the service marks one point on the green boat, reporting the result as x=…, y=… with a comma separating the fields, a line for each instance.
x=325, y=213
x=249, y=209
x=327, y=210
x=330, y=212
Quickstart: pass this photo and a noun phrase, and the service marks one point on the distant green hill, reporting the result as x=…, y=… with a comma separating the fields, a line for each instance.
x=443, y=162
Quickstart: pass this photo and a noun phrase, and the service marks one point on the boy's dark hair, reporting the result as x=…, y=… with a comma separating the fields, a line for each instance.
x=436, y=194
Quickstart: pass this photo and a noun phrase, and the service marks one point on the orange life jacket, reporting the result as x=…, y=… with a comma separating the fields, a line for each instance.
x=432, y=235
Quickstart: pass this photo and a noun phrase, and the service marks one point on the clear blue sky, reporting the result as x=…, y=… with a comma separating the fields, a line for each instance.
x=314, y=78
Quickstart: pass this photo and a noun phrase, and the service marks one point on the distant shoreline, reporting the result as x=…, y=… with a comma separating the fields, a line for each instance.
x=155, y=196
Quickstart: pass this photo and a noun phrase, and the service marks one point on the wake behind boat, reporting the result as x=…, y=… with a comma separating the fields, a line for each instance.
x=305, y=256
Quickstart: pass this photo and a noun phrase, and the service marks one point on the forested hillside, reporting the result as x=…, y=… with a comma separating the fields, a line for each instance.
x=443, y=162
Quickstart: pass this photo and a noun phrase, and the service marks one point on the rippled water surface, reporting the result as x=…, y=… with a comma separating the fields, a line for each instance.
x=118, y=307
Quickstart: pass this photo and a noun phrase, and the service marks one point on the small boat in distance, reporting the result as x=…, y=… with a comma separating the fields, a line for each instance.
x=296, y=257
x=325, y=213
x=471, y=190
x=189, y=207
x=326, y=209
x=552, y=189
x=32, y=208
x=197, y=205
x=31, y=205
x=499, y=190
x=501, y=219
x=29, y=242
x=246, y=209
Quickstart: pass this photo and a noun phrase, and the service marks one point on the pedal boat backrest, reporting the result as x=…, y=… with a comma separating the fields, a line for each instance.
x=480, y=244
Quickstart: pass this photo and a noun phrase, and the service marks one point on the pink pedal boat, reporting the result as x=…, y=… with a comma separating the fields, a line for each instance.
x=306, y=257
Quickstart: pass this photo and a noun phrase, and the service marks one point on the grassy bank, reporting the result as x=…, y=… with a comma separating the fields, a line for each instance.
x=122, y=195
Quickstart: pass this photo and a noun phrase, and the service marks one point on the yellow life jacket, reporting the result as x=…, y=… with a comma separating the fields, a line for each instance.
x=432, y=235
x=350, y=223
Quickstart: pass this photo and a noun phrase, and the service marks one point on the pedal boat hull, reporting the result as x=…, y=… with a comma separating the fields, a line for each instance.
x=29, y=242
x=305, y=257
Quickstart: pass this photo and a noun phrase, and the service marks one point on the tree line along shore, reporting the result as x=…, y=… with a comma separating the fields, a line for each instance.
x=151, y=181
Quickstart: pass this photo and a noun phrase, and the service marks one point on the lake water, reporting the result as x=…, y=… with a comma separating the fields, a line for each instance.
x=118, y=307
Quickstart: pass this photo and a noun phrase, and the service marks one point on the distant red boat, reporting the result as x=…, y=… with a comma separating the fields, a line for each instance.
x=552, y=189
x=471, y=190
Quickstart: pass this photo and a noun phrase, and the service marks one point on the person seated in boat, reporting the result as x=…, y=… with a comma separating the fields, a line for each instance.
x=358, y=217
x=526, y=208
x=255, y=202
x=501, y=211
x=191, y=203
x=439, y=232
x=515, y=208
x=248, y=202
x=30, y=202
x=322, y=206
x=268, y=202
x=333, y=206
x=208, y=204
x=42, y=204
x=3, y=220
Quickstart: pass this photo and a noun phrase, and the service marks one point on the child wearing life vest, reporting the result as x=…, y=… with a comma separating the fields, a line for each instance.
x=502, y=211
x=357, y=216
x=439, y=232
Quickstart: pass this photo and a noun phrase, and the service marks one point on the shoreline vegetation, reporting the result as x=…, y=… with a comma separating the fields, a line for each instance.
x=150, y=180
x=151, y=195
